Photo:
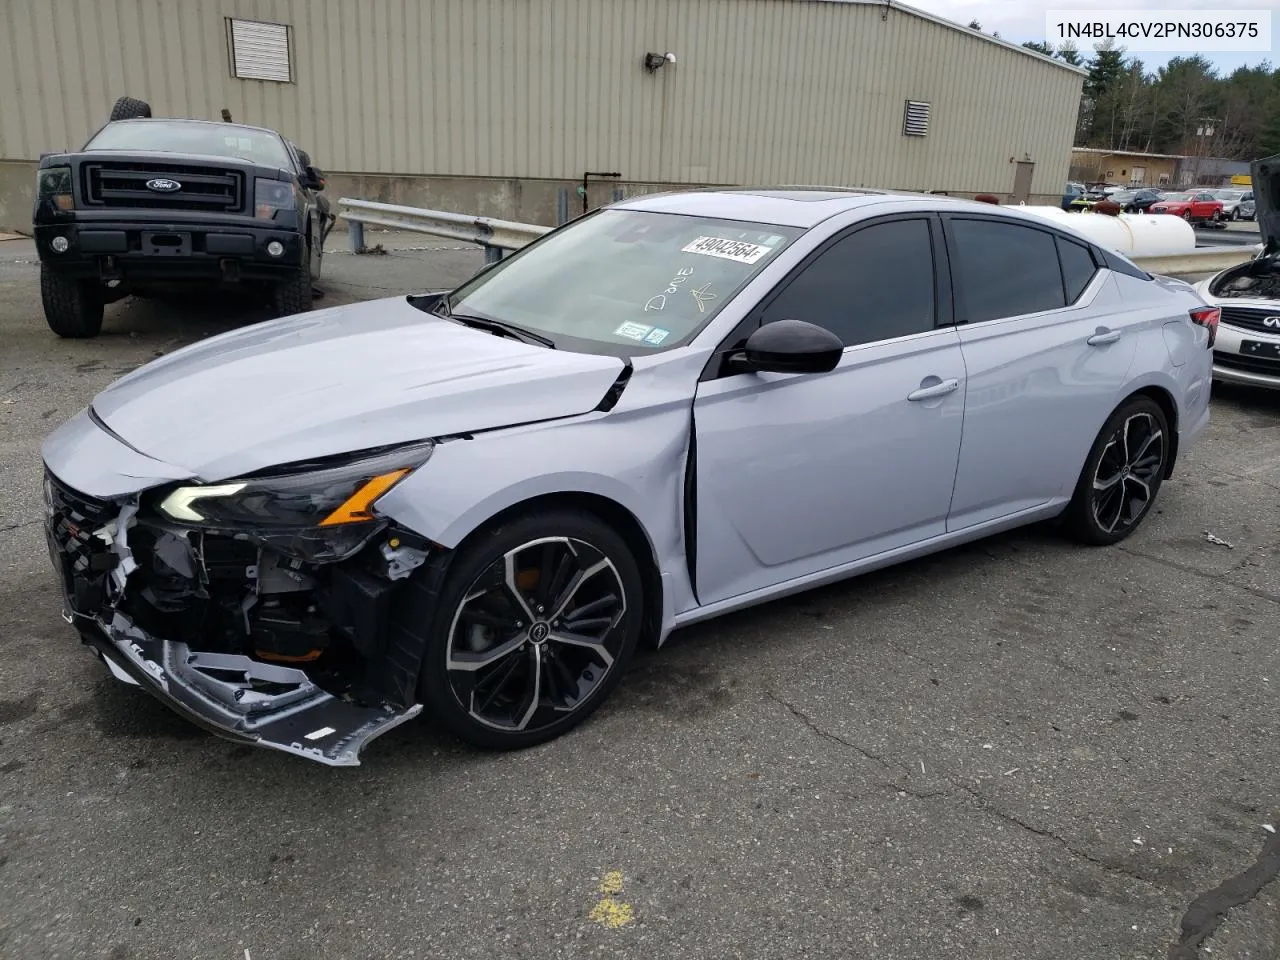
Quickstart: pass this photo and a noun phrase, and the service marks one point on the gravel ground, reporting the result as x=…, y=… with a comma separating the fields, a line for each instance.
x=1019, y=749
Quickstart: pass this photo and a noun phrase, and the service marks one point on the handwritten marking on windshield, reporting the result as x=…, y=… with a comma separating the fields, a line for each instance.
x=659, y=301
x=702, y=297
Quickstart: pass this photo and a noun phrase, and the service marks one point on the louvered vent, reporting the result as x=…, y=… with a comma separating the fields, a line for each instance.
x=915, y=122
x=260, y=51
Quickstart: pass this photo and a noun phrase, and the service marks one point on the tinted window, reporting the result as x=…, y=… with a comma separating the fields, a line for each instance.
x=874, y=284
x=1003, y=270
x=1077, y=267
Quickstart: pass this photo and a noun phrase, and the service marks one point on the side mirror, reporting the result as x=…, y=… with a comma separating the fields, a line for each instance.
x=313, y=178
x=789, y=346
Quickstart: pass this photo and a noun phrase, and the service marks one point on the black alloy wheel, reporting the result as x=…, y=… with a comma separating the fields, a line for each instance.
x=536, y=623
x=1123, y=474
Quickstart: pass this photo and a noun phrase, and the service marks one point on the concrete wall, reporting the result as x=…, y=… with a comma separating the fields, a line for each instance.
x=764, y=91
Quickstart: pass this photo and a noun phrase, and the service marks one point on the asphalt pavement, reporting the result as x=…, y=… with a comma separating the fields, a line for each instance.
x=1018, y=749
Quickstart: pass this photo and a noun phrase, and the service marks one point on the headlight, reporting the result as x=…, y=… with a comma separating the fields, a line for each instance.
x=318, y=515
x=271, y=196
x=54, y=184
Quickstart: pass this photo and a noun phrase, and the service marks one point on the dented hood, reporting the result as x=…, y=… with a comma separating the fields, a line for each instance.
x=339, y=380
x=1265, y=175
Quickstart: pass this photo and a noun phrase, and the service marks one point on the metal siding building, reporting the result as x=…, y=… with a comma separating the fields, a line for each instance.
x=497, y=102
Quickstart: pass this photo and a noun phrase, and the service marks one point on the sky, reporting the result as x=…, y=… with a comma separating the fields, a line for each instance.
x=1022, y=20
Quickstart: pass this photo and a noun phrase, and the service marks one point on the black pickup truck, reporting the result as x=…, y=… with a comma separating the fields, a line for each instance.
x=154, y=205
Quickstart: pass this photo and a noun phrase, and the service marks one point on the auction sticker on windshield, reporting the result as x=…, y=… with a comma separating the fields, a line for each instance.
x=632, y=331
x=735, y=250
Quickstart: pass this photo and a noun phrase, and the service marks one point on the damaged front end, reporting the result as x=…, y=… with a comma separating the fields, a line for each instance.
x=278, y=610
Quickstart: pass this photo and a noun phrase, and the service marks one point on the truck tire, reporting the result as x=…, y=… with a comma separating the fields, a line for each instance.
x=292, y=294
x=72, y=307
x=127, y=108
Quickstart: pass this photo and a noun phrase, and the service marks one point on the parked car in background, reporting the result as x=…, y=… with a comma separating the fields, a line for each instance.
x=1136, y=201
x=478, y=502
x=161, y=205
x=1073, y=192
x=1194, y=207
x=1231, y=203
x=1247, y=349
x=1248, y=209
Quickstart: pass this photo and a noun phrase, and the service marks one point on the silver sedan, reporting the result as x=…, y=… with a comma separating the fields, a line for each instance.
x=301, y=533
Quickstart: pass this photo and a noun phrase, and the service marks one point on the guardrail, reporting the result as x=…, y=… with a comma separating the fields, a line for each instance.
x=494, y=236
x=1204, y=260
x=498, y=236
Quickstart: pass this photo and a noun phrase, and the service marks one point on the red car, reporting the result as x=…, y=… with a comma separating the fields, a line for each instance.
x=1191, y=207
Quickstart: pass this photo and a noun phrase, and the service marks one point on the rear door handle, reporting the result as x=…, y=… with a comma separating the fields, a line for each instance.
x=1103, y=337
x=937, y=390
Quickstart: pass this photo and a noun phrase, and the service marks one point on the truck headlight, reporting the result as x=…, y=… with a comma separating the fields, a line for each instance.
x=319, y=515
x=272, y=196
x=54, y=184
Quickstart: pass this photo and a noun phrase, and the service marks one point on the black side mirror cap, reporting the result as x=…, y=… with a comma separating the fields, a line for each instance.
x=789, y=346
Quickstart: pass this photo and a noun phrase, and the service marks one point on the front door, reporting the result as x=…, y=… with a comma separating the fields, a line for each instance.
x=800, y=473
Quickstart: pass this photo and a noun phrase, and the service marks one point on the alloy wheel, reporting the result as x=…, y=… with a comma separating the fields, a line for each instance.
x=1128, y=472
x=536, y=634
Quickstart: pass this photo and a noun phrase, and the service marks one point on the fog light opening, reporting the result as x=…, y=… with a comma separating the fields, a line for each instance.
x=275, y=248
x=60, y=244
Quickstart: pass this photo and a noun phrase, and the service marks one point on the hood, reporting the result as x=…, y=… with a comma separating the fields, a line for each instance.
x=339, y=380
x=1265, y=174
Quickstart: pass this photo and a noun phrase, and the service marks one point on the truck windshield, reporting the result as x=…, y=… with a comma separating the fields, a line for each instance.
x=624, y=281
x=196, y=137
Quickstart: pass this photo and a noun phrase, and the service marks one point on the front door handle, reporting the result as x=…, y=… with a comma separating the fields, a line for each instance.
x=937, y=390
x=1103, y=337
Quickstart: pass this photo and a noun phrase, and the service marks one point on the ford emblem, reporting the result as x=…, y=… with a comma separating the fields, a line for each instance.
x=161, y=185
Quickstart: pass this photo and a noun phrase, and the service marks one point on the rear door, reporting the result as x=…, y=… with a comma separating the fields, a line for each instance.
x=1046, y=350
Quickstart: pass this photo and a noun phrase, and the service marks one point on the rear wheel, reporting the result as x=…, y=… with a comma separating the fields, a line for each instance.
x=72, y=307
x=1122, y=474
x=1187, y=216
x=127, y=108
x=535, y=624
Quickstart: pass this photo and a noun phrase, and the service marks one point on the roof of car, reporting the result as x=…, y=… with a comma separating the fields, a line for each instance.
x=212, y=123
x=785, y=206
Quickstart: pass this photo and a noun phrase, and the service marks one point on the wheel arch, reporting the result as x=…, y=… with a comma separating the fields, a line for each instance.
x=1163, y=398
x=615, y=515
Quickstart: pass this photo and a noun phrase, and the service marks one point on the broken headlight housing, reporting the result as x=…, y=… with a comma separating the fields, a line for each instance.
x=314, y=512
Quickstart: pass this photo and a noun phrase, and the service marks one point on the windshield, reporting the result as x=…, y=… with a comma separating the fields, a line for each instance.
x=623, y=281
x=1123, y=195
x=1228, y=195
x=1176, y=196
x=194, y=136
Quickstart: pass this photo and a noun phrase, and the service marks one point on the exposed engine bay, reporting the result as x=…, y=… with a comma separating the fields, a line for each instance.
x=1257, y=280
x=291, y=654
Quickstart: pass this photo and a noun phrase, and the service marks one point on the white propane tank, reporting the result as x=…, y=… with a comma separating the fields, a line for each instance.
x=1133, y=234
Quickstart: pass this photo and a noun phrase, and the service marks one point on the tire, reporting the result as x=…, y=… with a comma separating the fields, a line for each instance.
x=1187, y=216
x=492, y=705
x=1089, y=518
x=1235, y=215
x=293, y=294
x=72, y=308
x=1217, y=216
x=127, y=108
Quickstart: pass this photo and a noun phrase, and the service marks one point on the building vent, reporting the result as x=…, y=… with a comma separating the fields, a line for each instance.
x=915, y=122
x=260, y=51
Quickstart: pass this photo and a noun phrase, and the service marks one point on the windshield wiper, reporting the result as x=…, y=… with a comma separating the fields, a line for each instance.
x=496, y=326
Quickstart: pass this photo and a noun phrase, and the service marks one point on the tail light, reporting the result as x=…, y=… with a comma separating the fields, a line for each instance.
x=1208, y=318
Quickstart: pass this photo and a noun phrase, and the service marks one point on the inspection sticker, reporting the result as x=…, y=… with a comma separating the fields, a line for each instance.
x=656, y=336
x=632, y=331
x=735, y=250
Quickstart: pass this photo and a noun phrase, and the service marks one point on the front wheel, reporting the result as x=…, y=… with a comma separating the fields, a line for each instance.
x=535, y=624
x=1122, y=474
x=292, y=294
x=72, y=307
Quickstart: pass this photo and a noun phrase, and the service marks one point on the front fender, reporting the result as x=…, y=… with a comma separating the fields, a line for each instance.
x=635, y=459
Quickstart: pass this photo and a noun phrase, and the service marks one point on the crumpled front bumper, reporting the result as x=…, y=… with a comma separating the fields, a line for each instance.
x=239, y=698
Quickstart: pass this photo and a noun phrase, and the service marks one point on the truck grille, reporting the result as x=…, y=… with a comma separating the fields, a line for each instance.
x=1251, y=318
x=109, y=184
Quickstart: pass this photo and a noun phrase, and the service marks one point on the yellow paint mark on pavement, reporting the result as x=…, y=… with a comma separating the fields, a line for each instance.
x=610, y=912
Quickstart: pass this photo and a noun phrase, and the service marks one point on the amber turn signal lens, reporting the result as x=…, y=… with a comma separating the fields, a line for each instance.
x=357, y=507
x=64, y=201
